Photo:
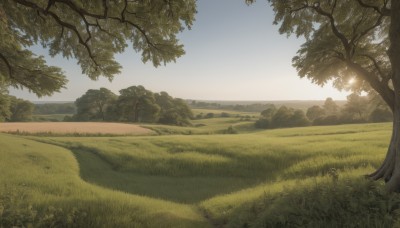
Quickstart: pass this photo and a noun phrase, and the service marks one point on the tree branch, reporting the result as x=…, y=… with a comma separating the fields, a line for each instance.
x=63, y=24
x=378, y=22
x=379, y=86
x=304, y=6
x=384, y=11
x=335, y=30
x=83, y=14
x=365, y=5
x=377, y=67
x=9, y=67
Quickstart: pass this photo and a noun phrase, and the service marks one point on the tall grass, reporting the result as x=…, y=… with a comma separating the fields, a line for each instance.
x=44, y=181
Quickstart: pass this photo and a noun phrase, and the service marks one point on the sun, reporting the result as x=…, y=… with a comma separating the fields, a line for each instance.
x=351, y=81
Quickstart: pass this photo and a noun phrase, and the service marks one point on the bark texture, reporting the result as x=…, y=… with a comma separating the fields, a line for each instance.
x=390, y=169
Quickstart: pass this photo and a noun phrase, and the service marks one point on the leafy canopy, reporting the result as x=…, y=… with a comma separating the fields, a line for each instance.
x=346, y=41
x=91, y=32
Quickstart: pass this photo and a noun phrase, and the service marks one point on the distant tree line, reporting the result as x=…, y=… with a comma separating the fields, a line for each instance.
x=55, y=108
x=358, y=109
x=133, y=104
x=256, y=107
x=282, y=117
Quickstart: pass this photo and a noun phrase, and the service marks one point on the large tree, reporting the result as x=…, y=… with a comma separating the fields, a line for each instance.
x=173, y=110
x=21, y=110
x=137, y=104
x=93, y=104
x=350, y=40
x=91, y=32
x=356, y=107
x=4, y=104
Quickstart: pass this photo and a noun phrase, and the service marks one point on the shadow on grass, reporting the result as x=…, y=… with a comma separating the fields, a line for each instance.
x=183, y=189
x=349, y=202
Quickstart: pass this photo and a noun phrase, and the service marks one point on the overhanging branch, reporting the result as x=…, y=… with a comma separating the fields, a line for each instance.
x=384, y=11
x=379, y=86
x=9, y=67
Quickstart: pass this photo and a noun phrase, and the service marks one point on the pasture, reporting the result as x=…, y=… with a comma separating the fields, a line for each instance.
x=286, y=177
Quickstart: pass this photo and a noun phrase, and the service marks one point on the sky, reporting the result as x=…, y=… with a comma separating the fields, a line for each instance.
x=233, y=52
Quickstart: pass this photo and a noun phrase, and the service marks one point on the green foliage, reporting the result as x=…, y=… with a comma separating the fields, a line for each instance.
x=269, y=112
x=356, y=107
x=263, y=123
x=173, y=110
x=230, y=130
x=209, y=115
x=327, y=120
x=54, y=108
x=224, y=114
x=4, y=104
x=340, y=37
x=299, y=119
x=93, y=105
x=91, y=32
x=52, y=118
x=136, y=104
x=21, y=110
x=381, y=115
x=315, y=112
x=330, y=107
x=283, y=117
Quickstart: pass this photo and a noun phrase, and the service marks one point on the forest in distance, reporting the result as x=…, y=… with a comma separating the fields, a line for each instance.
x=136, y=104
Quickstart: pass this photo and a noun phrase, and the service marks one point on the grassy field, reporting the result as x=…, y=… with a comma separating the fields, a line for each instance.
x=298, y=177
x=207, y=126
x=203, y=111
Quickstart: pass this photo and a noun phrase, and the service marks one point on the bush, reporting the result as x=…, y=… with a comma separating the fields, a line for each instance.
x=263, y=123
x=327, y=120
x=15, y=212
x=230, y=130
x=209, y=115
x=381, y=115
x=225, y=114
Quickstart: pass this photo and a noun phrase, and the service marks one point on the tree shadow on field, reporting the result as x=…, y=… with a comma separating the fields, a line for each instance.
x=192, y=188
x=347, y=202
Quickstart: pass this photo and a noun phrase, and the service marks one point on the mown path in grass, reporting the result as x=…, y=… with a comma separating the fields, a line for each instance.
x=95, y=170
x=190, y=169
x=40, y=186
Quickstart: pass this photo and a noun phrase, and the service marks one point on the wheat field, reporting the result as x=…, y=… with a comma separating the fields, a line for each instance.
x=75, y=128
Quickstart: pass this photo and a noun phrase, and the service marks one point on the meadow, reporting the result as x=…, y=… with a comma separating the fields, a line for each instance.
x=296, y=177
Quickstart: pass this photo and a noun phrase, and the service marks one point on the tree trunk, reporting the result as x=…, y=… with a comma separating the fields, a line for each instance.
x=136, y=111
x=390, y=169
x=387, y=169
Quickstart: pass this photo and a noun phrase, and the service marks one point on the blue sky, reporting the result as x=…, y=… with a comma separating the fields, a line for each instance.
x=233, y=52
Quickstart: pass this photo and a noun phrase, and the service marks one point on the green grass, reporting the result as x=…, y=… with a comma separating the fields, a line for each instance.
x=49, y=117
x=197, y=111
x=206, y=126
x=276, y=178
x=45, y=177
